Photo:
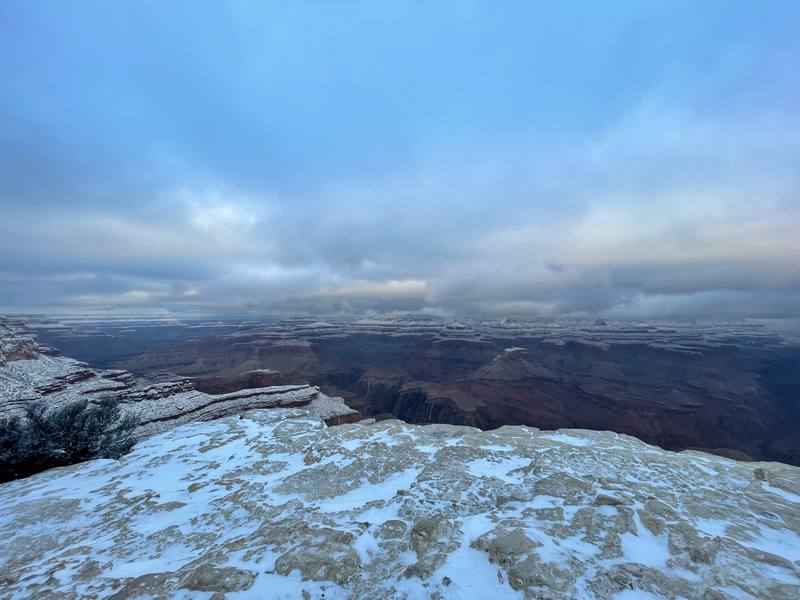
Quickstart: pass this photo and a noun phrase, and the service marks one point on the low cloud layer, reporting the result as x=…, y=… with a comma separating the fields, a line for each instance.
x=583, y=163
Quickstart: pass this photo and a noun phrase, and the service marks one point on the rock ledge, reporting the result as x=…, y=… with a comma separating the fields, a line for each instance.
x=276, y=504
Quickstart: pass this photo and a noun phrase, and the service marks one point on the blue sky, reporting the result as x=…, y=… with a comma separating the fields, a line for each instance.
x=544, y=158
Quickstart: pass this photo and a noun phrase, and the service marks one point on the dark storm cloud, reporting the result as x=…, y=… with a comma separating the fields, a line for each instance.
x=533, y=158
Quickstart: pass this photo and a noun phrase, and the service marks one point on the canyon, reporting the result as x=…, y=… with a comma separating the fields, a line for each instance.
x=727, y=388
x=33, y=373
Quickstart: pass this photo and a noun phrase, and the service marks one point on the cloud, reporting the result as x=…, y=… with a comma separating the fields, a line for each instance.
x=393, y=289
x=529, y=160
x=462, y=237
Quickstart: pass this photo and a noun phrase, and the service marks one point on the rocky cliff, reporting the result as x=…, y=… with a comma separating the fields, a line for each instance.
x=277, y=505
x=30, y=373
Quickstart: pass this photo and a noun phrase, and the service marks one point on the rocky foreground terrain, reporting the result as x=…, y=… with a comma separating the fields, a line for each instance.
x=277, y=505
x=729, y=388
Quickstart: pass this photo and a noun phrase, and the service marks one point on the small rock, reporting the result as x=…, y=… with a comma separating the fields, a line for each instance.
x=208, y=578
x=392, y=529
x=422, y=534
x=605, y=500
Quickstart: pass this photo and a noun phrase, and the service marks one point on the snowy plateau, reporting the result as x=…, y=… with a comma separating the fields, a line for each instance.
x=275, y=504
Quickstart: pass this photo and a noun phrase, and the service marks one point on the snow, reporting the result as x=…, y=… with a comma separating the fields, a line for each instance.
x=498, y=448
x=645, y=548
x=471, y=574
x=558, y=551
x=280, y=587
x=473, y=577
x=351, y=445
x=371, y=492
x=636, y=595
x=778, y=542
x=782, y=493
x=500, y=467
x=706, y=470
x=214, y=489
x=566, y=439
x=366, y=545
x=713, y=527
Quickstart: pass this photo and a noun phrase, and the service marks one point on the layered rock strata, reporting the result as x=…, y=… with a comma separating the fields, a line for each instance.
x=29, y=373
x=731, y=388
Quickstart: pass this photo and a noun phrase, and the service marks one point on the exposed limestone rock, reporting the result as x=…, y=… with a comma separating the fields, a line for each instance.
x=330, y=558
x=15, y=343
x=432, y=539
x=276, y=505
x=208, y=578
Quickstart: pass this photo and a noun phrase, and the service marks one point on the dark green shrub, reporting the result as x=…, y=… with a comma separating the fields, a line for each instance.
x=11, y=435
x=52, y=437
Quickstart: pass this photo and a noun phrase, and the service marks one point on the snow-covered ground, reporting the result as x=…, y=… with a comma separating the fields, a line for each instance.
x=276, y=505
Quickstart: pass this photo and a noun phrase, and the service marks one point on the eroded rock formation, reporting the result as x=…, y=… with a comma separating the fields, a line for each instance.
x=27, y=374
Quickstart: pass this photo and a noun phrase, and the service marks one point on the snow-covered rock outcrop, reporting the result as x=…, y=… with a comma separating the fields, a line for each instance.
x=29, y=373
x=277, y=505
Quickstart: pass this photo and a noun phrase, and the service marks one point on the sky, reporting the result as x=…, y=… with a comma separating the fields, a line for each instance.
x=618, y=159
